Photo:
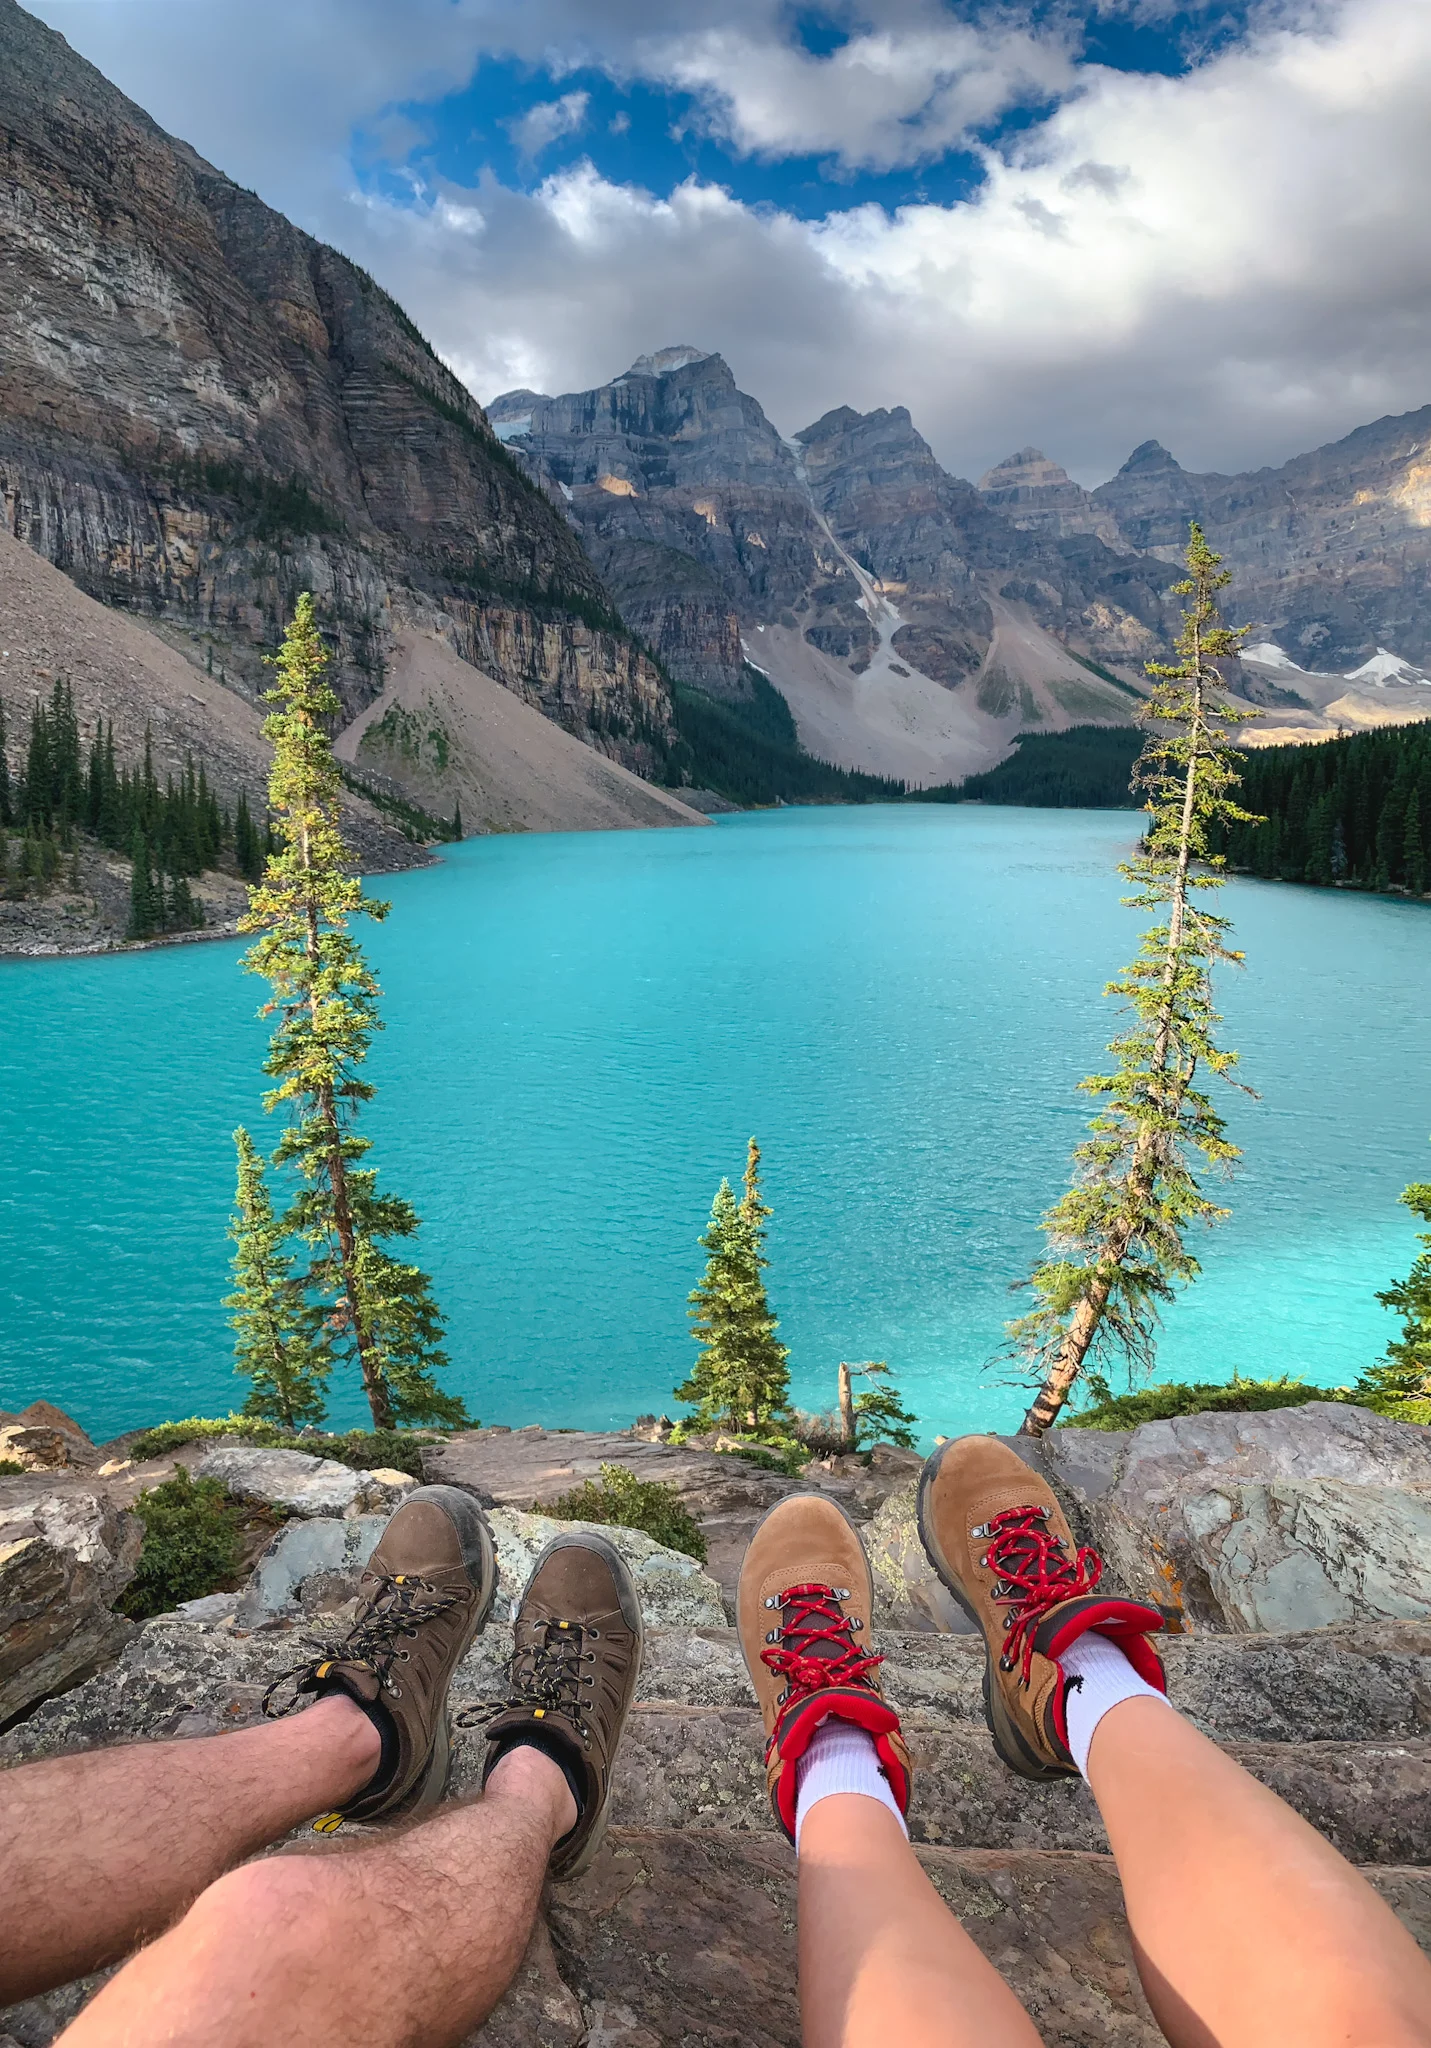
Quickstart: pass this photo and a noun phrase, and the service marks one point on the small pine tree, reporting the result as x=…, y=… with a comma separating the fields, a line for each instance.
x=876, y=1415
x=325, y=997
x=456, y=818
x=275, y=1343
x=1117, y=1238
x=146, y=901
x=1406, y=1373
x=741, y=1378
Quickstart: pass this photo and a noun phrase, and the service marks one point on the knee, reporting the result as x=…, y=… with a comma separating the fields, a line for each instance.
x=272, y=1909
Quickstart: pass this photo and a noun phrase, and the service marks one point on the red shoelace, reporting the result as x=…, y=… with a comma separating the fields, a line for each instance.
x=1033, y=1573
x=815, y=1617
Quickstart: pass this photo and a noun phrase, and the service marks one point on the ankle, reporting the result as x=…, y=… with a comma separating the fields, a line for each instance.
x=534, y=1779
x=349, y=1737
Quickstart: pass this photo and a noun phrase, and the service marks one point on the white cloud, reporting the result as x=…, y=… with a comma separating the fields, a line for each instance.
x=883, y=99
x=548, y=122
x=1234, y=260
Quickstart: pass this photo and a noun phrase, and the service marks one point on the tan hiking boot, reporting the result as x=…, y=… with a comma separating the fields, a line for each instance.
x=997, y=1537
x=803, y=1611
x=577, y=1656
x=425, y=1595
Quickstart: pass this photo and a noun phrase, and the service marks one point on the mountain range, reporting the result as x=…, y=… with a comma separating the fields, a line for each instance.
x=915, y=622
x=204, y=411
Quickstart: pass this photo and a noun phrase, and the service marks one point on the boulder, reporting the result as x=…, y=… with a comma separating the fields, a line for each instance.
x=675, y=1592
x=312, y=1567
x=66, y=1554
x=908, y=1593
x=1296, y=1518
x=299, y=1484
x=515, y=1468
x=43, y=1438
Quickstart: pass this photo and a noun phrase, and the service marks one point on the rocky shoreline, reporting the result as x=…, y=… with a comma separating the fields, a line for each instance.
x=1288, y=1549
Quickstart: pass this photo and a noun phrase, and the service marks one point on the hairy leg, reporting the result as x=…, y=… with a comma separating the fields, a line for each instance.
x=406, y=1942
x=1249, y=1928
x=105, y=1850
x=882, y=1959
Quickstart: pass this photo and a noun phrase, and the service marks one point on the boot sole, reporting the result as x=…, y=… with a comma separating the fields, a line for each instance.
x=629, y=1601
x=479, y=1551
x=1009, y=1744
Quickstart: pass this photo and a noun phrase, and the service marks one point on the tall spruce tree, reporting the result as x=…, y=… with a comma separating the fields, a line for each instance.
x=325, y=998
x=276, y=1342
x=1117, y=1240
x=741, y=1378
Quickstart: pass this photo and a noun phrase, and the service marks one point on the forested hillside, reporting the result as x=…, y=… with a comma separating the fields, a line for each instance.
x=1354, y=811
x=1086, y=768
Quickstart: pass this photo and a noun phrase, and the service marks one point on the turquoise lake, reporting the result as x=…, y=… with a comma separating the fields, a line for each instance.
x=582, y=1032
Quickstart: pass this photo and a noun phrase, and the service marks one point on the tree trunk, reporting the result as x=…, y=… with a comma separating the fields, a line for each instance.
x=374, y=1385
x=848, y=1438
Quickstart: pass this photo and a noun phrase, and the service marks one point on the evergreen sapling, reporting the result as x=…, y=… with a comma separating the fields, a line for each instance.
x=276, y=1343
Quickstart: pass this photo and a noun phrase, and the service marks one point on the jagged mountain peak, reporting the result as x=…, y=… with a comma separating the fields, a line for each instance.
x=1149, y=455
x=665, y=360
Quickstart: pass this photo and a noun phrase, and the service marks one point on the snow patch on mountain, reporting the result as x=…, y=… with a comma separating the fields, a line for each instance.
x=1385, y=667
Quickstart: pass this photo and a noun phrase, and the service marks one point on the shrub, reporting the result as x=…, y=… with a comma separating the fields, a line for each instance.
x=191, y=1545
x=1158, y=1403
x=362, y=1449
x=622, y=1501
x=11, y=1469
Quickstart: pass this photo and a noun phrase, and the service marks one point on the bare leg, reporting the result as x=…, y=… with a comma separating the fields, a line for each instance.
x=1249, y=1927
x=882, y=1959
x=406, y=1942
x=104, y=1851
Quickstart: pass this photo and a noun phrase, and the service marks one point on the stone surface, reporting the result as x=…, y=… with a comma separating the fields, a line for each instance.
x=66, y=1554
x=299, y=1484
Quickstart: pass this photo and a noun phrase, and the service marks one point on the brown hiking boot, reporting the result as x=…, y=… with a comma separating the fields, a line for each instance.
x=426, y=1593
x=803, y=1611
x=575, y=1663
x=997, y=1537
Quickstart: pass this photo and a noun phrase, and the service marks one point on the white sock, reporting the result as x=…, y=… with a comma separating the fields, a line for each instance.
x=1101, y=1677
x=841, y=1758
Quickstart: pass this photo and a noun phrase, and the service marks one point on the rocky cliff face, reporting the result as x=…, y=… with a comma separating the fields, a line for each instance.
x=690, y=504
x=1331, y=553
x=706, y=524
x=1036, y=496
x=203, y=411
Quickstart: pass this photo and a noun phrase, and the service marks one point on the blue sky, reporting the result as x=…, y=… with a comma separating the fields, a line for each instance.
x=1068, y=225
x=525, y=122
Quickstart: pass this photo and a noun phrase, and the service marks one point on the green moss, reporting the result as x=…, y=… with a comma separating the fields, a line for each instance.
x=191, y=1545
x=622, y=1501
x=364, y=1450
x=1158, y=1403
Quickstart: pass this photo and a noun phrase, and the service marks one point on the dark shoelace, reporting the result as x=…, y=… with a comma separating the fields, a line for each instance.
x=546, y=1674
x=1033, y=1573
x=815, y=1616
x=397, y=1608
